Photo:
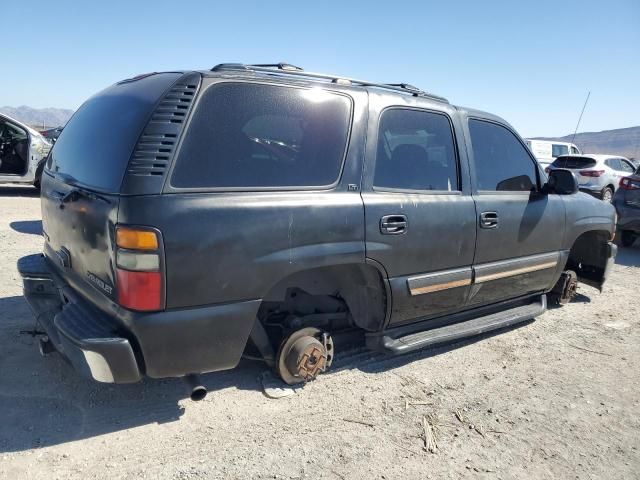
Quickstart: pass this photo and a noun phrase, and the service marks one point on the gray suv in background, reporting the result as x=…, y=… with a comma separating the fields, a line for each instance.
x=627, y=203
x=263, y=210
x=598, y=175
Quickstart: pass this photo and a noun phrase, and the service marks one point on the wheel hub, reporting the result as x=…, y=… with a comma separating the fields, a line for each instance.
x=304, y=355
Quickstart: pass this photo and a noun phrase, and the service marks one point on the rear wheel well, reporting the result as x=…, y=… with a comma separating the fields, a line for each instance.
x=357, y=290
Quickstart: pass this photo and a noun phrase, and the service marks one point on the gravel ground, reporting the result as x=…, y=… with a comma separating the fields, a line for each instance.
x=554, y=398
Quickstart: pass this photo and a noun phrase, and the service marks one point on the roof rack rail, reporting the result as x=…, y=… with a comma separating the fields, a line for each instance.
x=279, y=66
x=406, y=86
x=289, y=69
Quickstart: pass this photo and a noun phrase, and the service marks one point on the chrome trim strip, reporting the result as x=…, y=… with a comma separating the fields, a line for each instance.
x=441, y=286
x=517, y=271
x=518, y=266
x=462, y=277
x=438, y=281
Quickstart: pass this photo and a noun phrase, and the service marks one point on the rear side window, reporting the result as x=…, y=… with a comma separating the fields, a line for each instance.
x=415, y=152
x=574, y=162
x=253, y=136
x=502, y=162
x=96, y=144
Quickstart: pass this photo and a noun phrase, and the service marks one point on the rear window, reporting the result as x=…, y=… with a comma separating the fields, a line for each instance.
x=574, y=162
x=96, y=144
x=257, y=136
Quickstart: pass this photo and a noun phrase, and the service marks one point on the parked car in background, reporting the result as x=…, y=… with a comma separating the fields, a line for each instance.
x=547, y=151
x=264, y=209
x=598, y=175
x=52, y=134
x=636, y=162
x=22, y=152
x=627, y=203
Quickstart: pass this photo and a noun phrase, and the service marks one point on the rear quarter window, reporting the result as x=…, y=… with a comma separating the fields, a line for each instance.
x=96, y=144
x=252, y=136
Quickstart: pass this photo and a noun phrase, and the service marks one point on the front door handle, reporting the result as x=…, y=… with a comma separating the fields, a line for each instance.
x=488, y=219
x=393, y=224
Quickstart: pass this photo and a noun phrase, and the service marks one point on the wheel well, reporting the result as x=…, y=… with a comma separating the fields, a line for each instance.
x=588, y=256
x=357, y=289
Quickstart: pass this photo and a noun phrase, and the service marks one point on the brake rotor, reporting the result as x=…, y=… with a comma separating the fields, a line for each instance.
x=304, y=355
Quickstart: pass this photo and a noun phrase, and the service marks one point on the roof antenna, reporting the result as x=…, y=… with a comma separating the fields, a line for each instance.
x=580, y=118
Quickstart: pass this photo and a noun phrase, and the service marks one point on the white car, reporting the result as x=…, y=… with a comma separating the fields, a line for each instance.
x=598, y=175
x=547, y=151
x=22, y=152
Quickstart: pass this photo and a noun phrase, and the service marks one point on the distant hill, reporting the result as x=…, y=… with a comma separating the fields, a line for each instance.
x=622, y=141
x=51, y=117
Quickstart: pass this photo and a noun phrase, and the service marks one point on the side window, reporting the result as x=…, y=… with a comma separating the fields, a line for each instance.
x=575, y=151
x=557, y=150
x=415, y=151
x=626, y=166
x=502, y=162
x=613, y=163
x=256, y=136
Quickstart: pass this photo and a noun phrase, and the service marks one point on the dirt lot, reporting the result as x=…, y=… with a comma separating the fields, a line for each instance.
x=554, y=398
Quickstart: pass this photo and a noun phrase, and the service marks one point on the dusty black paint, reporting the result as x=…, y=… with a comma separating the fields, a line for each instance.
x=225, y=251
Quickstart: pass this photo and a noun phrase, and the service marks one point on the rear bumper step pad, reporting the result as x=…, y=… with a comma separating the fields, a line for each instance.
x=87, y=338
x=395, y=342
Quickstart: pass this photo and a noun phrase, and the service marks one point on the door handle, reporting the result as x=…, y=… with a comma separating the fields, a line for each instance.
x=393, y=224
x=488, y=219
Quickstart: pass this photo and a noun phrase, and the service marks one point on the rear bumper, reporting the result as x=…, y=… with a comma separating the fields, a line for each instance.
x=594, y=190
x=86, y=337
x=114, y=349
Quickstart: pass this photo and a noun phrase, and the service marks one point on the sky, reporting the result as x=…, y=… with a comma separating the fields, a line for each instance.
x=532, y=63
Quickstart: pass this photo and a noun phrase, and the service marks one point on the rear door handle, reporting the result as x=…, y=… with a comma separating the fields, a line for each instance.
x=488, y=219
x=393, y=224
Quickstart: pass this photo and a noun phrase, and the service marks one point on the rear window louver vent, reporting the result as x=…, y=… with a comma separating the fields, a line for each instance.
x=155, y=148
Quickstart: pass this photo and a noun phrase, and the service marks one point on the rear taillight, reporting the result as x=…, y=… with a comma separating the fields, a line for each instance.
x=139, y=269
x=591, y=173
x=629, y=184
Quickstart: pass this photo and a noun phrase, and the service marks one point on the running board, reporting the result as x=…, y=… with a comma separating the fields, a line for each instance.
x=393, y=340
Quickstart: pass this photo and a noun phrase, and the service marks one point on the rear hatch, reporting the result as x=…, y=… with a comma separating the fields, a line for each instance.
x=583, y=167
x=85, y=173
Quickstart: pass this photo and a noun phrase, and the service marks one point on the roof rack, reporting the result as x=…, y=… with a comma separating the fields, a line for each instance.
x=283, y=68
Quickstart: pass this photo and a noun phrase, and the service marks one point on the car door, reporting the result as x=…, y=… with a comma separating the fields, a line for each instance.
x=420, y=216
x=622, y=168
x=520, y=229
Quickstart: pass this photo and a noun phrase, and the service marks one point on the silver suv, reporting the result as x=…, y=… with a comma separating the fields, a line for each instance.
x=598, y=175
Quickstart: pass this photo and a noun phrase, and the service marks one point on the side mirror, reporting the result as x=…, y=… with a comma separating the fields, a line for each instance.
x=561, y=182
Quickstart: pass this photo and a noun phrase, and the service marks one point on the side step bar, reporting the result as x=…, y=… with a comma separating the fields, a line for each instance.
x=406, y=339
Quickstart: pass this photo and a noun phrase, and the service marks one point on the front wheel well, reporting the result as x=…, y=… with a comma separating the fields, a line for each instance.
x=589, y=255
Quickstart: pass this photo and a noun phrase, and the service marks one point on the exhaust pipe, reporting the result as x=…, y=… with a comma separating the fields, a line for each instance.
x=197, y=391
x=45, y=346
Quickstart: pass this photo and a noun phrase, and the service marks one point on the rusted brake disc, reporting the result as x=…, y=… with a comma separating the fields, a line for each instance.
x=304, y=355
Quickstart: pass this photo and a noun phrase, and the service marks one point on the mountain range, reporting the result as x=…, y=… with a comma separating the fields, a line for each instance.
x=38, y=117
x=622, y=141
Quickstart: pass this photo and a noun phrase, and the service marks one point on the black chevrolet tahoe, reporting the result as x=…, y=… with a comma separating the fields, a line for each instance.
x=191, y=218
